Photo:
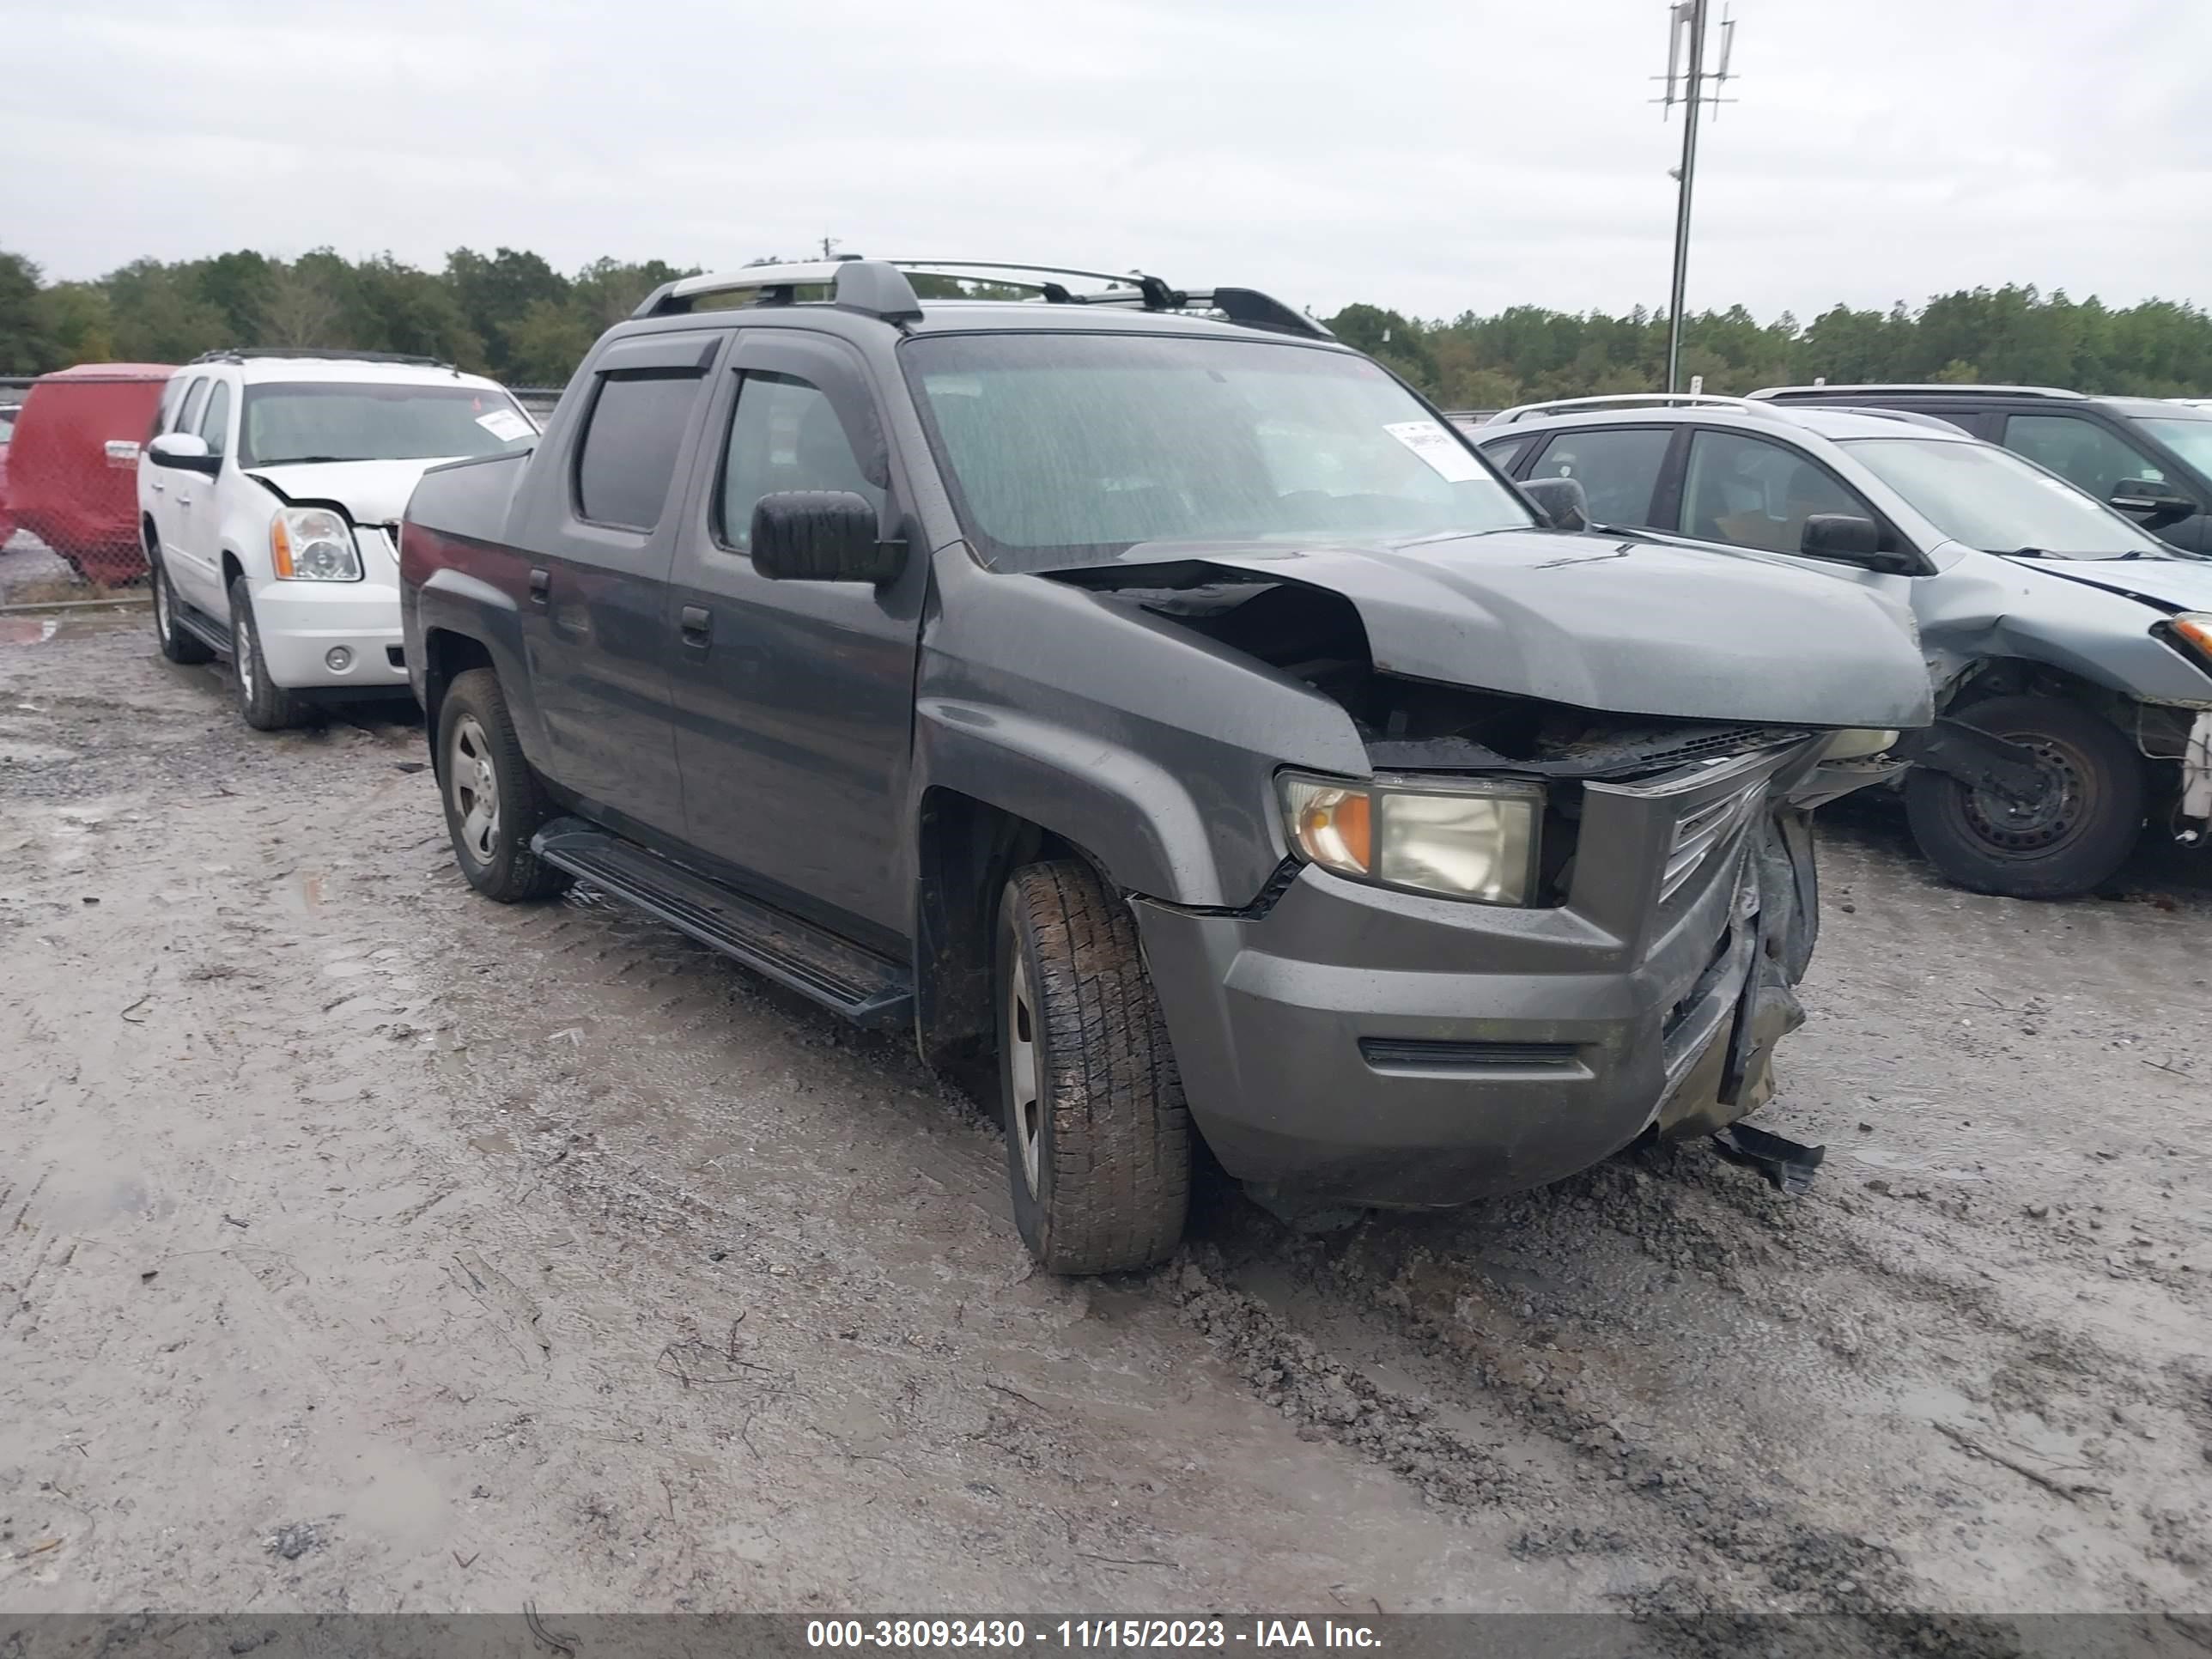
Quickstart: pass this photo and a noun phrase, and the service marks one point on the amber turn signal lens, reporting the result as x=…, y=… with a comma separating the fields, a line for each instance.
x=2196, y=628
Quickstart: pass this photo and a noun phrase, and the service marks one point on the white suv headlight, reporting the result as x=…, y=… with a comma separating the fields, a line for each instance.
x=313, y=544
x=1474, y=840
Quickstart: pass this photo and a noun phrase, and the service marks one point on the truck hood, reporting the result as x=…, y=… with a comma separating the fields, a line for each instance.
x=1607, y=622
x=372, y=492
x=2169, y=584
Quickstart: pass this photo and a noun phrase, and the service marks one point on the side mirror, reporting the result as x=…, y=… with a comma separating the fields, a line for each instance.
x=1853, y=540
x=822, y=536
x=2157, y=502
x=1560, y=503
x=186, y=452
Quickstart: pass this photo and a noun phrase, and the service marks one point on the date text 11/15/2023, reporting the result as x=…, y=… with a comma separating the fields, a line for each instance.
x=1086, y=1634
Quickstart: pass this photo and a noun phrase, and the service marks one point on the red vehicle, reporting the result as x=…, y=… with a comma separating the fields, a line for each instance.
x=73, y=465
x=7, y=413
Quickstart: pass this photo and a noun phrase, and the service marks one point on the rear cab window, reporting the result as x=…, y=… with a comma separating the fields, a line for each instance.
x=645, y=389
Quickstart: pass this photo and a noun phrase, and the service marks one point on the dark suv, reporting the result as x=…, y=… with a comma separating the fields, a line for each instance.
x=2149, y=458
x=1141, y=685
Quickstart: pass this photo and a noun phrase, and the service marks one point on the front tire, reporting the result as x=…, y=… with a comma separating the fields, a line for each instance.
x=178, y=644
x=264, y=705
x=2069, y=844
x=494, y=801
x=1097, y=1135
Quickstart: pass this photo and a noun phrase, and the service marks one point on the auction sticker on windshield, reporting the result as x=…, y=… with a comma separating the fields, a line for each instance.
x=505, y=425
x=1450, y=460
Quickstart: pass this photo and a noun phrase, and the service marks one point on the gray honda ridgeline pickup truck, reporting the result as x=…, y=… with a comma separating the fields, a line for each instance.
x=1140, y=684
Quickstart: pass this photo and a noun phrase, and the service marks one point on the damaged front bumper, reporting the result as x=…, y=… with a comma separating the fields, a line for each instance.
x=1355, y=1045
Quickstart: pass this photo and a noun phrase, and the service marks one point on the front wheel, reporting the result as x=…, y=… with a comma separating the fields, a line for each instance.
x=1097, y=1136
x=494, y=801
x=265, y=705
x=2076, y=837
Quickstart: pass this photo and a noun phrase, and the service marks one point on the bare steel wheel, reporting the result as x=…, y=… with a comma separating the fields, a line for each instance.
x=2075, y=835
x=494, y=801
x=1097, y=1137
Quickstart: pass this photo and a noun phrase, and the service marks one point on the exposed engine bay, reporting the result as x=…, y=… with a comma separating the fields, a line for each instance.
x=1317, y=637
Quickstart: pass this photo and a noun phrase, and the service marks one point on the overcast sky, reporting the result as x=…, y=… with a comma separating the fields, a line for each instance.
x=1435, y=155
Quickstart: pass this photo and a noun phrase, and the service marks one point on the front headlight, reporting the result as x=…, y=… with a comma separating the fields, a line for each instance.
x=313, y=544
x=1472, y=839
x=2191, y=634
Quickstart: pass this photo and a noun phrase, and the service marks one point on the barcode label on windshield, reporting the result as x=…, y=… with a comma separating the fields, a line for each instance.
x=1449, y=458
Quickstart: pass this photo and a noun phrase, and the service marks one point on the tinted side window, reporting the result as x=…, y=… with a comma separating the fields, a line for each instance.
x=1750, y=493
x=784, y=434
x=216, y=421
x=172, y=399
x=1618, y=468
x=1504, y=452
x=2081, y=452
x=628, y=457
x=188, y=418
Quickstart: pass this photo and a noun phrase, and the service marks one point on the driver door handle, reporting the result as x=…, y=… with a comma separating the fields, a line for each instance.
x=698, y=625
x=540, y=583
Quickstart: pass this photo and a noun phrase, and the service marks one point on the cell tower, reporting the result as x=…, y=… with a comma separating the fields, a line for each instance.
x=1691, y=84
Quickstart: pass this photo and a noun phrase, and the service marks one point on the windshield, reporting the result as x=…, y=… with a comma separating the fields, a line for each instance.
x=304, y=421
x=2190, y=439
x=1065, y=449
x=7, y=423
x=1990, y=498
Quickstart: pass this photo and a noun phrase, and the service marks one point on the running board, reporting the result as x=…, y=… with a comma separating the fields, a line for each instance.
x=867, y=989
x=210, y=632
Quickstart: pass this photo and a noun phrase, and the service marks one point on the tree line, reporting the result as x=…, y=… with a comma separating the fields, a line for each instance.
x=510, y=313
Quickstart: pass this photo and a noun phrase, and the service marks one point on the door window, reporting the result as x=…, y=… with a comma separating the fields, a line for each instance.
x=172, y=399
x=2081, y=452
x=628, y=457
x=1750, y=493
x=188, y=419
x=784, y=434
x=1504, y=452
x=215, y=423
x=1618, y=468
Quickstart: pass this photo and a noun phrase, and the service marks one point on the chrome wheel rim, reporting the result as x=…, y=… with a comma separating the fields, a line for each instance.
x=1025, y=1116
x=472, y=786
x=244, y=654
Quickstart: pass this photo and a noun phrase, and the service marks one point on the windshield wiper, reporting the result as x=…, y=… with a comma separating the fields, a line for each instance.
x=306, y=460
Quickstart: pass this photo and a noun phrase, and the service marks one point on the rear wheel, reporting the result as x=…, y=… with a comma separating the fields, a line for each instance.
x=494, y=801
x=265, y=705
x=1097, y=1136
x=178, y=644
x=2075, y=838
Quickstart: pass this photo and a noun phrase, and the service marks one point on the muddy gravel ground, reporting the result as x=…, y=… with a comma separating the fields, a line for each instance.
x=364, y=1245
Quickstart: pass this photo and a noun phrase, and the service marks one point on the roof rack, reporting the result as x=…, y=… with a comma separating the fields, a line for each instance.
x=1933, y=388
x=323, y=354
x=1624, y=400
x=880, y=288
x=1909, y=417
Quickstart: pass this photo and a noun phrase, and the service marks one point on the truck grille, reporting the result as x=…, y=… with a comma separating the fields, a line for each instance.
x=1705, y=827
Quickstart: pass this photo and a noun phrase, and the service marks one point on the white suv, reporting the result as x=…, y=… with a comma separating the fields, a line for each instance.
x=269, y=498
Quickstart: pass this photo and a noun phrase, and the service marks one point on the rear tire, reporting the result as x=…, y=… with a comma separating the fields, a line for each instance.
x=178, y=643
x=1097, y=1135
x=265, y=705
x=495, y=802
x=2068, y=846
